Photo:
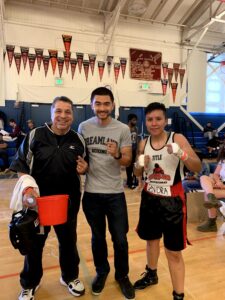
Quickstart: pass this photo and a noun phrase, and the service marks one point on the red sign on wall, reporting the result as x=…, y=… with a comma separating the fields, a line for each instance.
x=145, y=65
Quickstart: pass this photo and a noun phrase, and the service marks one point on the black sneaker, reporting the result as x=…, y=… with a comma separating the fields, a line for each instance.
x=98, y=284
x=178, y=296
x=149, y=278
x=127, y=288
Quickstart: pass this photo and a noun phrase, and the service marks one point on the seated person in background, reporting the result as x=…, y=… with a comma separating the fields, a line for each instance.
x=16, y=130
x=30, y=125
x=16, y=133
x=214, y=188
x=209, y=131
x=213, y=146
x=192, y=179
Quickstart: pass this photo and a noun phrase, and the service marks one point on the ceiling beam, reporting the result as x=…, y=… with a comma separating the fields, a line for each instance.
x=100, y=5
x=147, y=10
x=189, y=11
x=109, y=5
x=112, y=19
x=113, y=23
x=158, y=9
x=201, y=8
x=173, y=10
x=187, y=37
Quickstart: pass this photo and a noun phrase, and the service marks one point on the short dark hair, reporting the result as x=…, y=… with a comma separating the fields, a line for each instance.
x=12, y=121
x=62, y=98
x=102, y=91
x=155, y=106
x=131, y=116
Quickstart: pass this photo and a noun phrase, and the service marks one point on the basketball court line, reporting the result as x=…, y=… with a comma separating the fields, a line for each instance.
x=83, y=262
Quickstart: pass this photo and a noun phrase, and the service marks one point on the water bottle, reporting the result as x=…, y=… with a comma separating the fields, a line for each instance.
x=32, y=203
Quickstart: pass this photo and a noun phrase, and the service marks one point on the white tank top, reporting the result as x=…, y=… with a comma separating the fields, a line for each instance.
x=165, y=170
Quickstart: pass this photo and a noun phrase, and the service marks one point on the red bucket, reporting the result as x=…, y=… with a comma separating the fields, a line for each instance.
x=52, y=210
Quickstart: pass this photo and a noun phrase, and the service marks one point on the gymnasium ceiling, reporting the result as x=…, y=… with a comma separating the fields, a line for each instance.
x=195, y=18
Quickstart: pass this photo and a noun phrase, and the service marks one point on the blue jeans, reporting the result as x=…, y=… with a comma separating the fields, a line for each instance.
x=189, y=185
x=98, y=207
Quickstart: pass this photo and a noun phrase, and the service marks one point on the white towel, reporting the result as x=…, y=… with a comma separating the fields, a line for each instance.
x=17, y=195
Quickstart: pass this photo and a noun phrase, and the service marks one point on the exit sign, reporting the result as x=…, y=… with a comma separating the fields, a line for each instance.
x=59, y=81
x=145, y=86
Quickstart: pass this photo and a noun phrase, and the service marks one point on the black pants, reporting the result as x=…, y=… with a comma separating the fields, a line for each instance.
x=69, y=260
x=98, y=207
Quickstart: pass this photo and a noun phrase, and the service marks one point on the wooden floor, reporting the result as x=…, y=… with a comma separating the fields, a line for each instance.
x=205, y=261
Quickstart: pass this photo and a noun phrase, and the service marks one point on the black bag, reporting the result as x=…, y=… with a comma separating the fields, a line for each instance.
x=23, y=230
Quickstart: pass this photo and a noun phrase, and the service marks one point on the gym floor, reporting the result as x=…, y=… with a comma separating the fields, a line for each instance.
x=204, y=260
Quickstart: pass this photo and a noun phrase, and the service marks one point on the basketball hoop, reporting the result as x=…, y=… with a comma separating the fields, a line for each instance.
x=222, y=64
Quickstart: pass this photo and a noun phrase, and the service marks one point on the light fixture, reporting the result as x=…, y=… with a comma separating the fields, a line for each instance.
x=137, y=7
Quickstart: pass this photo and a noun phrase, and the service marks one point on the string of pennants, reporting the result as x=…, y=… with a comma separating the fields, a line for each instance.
x=68, y=60
x=87, y=64
x=168, y=74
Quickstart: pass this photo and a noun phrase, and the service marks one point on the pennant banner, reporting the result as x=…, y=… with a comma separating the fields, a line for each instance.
x=164, y=86
x=116, y=70
x=46, y=59
x=17, y=57
x=53, y=57
x=10, y=52
x=24, y=52
x=31, y=58
x=39, y=55
x=101, y=67
x=174, y=90
x=73, y=64
x=86, y=64
x=165, y=69
x=60, y=65
x=67, y=56
x=67, y=42
x=80, y=57
x=109, y=60
x=92, y=59
x=176, y=70
x=170, y=75
x=181, y=72
x=123, y=64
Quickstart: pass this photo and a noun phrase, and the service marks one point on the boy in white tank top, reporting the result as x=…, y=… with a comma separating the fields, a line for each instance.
x=163, y=205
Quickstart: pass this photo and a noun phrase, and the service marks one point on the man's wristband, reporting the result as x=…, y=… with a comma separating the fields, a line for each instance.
x=118, y=157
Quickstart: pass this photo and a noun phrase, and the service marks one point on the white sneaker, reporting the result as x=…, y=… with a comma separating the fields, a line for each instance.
x=27, y=294
x=75, y=287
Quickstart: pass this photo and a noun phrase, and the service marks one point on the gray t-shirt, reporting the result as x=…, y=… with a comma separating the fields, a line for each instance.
x=103, y=174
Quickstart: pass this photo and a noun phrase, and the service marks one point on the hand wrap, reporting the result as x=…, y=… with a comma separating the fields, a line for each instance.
x=177, y=151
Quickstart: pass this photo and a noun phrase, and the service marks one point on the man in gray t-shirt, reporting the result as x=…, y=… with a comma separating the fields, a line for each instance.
x=109, y=147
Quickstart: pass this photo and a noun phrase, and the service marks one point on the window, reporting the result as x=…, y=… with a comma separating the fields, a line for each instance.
x=215, y=87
